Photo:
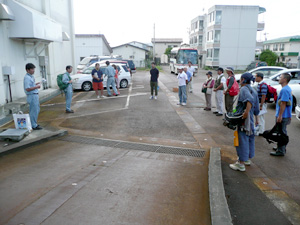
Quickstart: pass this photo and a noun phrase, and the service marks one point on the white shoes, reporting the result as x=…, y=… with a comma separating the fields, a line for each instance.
x=155, y=97
x=238, y=166
x=151, y=97
x=178, y=103
x=98, y=96
x=183, y=103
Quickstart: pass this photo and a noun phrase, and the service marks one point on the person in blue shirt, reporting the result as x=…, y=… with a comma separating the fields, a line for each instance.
x=110, y=73
x=69, y=89
x=283, y=110
x=32, y=92
x=97, y=80
x=246, y=148
x=190, y=78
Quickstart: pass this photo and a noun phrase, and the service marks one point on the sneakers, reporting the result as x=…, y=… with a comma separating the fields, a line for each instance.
x=38, y=127
x=69, y=111
x=219, y=114
x=98, y=96
x=102, y=96
x=178, y=103
x=238, y=166
x=215, y=112
x=151, y=97
x=183, y=103
x=155, y=97
x=248, y=162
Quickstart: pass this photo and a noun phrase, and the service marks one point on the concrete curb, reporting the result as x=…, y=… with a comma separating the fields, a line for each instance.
x=32, y=142
x=219, y=210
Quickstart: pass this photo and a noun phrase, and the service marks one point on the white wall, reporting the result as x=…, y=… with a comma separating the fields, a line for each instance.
x=126, y=51
x=160, y=48
x=12, y=51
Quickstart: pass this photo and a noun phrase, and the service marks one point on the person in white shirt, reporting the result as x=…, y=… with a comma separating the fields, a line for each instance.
x=182, y=81
x=192, y=71
x=220, y=85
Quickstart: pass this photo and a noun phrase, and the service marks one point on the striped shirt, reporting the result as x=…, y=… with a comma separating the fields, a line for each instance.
x=262, y=89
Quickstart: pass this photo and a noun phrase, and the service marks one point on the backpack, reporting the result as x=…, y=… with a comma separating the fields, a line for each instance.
x=271, y=94
x=60, y=83
x=235, y=89
x=276, y=135
x=234, y=118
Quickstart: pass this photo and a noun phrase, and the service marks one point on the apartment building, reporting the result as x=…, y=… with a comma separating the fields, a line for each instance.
x=226, y=35
x=287, y=48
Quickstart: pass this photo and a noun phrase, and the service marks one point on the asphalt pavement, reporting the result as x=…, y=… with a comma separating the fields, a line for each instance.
x=127, y=160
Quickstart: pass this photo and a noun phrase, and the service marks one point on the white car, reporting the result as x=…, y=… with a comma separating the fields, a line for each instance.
x=295, y=92
x=267, y=71
x=297, y=111
x=84, y=80
x=274, y=80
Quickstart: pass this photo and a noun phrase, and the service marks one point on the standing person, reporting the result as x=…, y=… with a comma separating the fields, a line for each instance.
x=192, y=71
x=229, y=82
x=190, y=78
x=32, y=92
x=246, y=148
x=69, y=89
x=154, y=72
x=116, y=77
x=262, y=90
x=219, y=86
x=182, y=81
x=209, y=84
x=110, y=72
x=97, y=80
x=283, y=110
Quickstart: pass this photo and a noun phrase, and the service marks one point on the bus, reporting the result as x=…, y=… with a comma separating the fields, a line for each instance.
x=180, y=56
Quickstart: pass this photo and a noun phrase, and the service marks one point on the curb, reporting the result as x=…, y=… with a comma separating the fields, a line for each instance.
x=219, y=210
x=30, y=143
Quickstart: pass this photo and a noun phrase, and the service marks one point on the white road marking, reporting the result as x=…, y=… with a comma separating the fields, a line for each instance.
x=128, y=97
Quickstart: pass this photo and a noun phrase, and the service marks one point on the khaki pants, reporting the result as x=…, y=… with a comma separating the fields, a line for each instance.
x=208, y=100
x=229, y=103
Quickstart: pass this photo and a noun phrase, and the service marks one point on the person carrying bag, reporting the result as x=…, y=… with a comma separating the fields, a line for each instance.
x=207, y=90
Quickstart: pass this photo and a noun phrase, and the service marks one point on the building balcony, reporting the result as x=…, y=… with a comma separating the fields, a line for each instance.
x=260, y=26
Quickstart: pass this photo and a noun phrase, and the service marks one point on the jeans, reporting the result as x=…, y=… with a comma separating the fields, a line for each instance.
x=182, y=94
x=69, y=94
x=111, y=82
x=246, y=148
x=34, y=108
x=153, y=85
x=284, y=122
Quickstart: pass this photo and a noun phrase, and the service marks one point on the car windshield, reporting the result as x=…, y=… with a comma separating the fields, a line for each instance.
x=85, y=61
x=184, y=56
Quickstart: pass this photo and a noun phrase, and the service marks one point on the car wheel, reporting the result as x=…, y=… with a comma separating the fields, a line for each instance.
x=87, y=86
x=123, y=83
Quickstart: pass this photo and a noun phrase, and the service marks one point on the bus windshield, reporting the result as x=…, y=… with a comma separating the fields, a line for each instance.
x=187, y=55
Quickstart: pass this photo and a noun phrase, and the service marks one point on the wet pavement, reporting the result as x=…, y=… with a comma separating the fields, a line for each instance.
x=94, y=181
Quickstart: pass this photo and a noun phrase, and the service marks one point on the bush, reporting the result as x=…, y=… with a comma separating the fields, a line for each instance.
x=280, y=64
x=269, y=57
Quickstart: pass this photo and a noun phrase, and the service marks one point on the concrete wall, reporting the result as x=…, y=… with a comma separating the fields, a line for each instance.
x=126, y=51
x=13, y=51
x=86, y=46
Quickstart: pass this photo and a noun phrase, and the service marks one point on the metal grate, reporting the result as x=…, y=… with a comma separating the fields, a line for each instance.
x=135, y=146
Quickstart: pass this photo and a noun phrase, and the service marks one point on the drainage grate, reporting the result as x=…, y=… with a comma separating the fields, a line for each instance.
x=135, y=146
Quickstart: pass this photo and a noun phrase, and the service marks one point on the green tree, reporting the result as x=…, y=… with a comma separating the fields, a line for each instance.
x=168, y=51
x=269, y=57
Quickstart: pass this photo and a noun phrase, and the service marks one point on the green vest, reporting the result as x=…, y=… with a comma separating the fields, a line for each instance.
x=218, y=82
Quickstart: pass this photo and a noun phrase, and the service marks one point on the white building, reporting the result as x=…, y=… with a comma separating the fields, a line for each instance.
x=149, y=47
x=287, y=48
x=161, y=44
x=228, y=35
x=38, y=32
x=129, y=51
x=91, y=44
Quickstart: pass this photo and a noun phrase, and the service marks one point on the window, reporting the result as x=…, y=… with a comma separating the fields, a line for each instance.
x=196, y=24
x=131, y=57
x=200, y=39
x=209, y=53
x=217, y=36
x=216, y=54
x=281, y=48
x=218, y=17
x=275, y=47
x=207, y=36
x=201, y=24
x=195, y=39
x=268, y=47
x=125, y=68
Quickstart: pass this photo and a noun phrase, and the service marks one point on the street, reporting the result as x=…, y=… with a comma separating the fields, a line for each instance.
x=131, y=160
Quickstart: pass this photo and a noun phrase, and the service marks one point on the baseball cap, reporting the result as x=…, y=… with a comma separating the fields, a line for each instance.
x=209, y=73
x=247, y=76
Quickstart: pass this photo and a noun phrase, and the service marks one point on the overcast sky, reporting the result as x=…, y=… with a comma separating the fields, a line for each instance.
x=132, y=20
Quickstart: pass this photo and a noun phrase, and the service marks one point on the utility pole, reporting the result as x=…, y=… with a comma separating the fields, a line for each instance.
x=154, y=43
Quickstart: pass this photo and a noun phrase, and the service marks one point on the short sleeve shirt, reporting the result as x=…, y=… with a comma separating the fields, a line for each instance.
x=182, y=78
x=285, y=95
x=189, y=75
x=29, y=82
x=191, y=70
x=98, y=73
x=110, y=71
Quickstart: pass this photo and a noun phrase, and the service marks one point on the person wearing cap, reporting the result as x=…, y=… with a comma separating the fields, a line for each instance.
x=262, y=90
x=284, y=107
x=182, y=81
x=192, y=71
x=246, y=148
x=220, y=83
x=209, y=84
x=229, y=82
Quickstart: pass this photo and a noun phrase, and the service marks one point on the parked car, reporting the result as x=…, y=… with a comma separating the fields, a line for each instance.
x=114, y=61
x=297, y=110
x=255, y=64
x=83, y=81
x=131, y=65
x=266, y=70
x=87, y=61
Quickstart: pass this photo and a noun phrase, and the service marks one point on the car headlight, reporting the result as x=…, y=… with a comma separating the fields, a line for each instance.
x=75, y=80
